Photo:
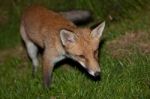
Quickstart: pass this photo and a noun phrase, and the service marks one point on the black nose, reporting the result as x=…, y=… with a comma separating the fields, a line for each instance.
x=97, y=74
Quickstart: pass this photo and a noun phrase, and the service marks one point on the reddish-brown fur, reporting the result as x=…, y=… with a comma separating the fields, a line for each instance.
x=43, y=28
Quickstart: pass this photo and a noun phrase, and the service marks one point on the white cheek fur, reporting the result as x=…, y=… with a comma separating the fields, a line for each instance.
x=82, y=64
x=74, y=58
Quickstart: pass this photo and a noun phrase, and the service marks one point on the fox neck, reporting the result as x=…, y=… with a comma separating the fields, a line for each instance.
x=61, y=56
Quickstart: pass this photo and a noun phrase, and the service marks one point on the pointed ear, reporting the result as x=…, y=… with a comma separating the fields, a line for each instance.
x=67, y=37
x=97, y=32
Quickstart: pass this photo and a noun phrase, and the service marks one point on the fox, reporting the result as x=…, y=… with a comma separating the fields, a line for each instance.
x=59, y=38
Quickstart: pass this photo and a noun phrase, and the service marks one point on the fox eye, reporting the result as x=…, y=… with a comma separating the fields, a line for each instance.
x=82, y=56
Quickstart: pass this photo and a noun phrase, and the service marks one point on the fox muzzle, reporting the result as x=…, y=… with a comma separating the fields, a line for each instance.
x=94, y=73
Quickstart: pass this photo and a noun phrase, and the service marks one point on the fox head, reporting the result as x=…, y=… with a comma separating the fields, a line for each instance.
x=82, y=45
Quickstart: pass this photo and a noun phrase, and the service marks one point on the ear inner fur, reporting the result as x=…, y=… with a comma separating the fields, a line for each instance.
x=67, y=36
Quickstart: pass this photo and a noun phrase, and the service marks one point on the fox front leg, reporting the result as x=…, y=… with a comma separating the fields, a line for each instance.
x=47, y=70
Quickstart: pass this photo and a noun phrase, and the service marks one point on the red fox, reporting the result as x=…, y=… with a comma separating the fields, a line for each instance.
x=59, y=38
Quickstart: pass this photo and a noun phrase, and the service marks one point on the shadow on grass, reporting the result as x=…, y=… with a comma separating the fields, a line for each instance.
x=76, y=65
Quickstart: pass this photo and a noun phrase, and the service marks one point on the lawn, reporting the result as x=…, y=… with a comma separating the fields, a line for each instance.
x=124, y=54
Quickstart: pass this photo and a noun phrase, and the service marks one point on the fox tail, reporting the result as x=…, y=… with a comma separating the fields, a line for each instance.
x=77, y=16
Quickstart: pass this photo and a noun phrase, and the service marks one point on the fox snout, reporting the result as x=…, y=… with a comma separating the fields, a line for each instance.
x=94, y=73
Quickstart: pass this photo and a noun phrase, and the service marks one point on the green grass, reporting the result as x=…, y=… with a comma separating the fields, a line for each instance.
x=123, y=78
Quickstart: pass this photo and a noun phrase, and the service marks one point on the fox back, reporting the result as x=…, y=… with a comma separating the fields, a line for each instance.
x=60, y=38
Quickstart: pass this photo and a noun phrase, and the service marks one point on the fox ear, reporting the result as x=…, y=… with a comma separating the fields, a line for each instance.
x=67, y=37
x=97, y=32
